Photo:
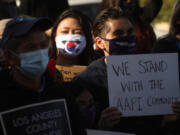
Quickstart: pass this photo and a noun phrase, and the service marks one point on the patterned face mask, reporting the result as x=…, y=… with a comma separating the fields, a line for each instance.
x=71, y=45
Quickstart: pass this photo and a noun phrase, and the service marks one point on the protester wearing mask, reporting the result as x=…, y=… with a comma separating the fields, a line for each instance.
x=72, y=44
x=71, y=40
x=170, y=43
x=113, y=33
x=141, y=18
x=26, y=80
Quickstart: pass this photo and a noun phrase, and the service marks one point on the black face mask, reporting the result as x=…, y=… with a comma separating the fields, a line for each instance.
x=123, y=45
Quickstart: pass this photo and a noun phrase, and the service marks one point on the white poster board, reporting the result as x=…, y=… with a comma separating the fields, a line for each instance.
x=46, y=118
x=144, y=84
x=100, y=132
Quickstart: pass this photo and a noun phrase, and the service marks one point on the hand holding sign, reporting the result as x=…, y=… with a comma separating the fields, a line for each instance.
x=174, y=117
x=176, y=109
x=109, y=117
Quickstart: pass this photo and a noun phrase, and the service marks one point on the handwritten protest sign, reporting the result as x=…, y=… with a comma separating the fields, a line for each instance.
x=68, y=72
x=144, y=84
x=100, y=132
x=46, y=118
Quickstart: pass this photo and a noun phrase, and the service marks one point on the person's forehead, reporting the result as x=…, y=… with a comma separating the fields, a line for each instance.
x=33, y=37
x=118, y=23
x=69, y=22
x=36, y=33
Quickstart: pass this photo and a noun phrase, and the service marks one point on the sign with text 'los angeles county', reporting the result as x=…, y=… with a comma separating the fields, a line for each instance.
x=46, y=118
x=144, y=84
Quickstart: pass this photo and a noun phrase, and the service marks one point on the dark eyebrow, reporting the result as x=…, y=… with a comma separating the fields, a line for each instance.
x=120, y=32
x=130, y=29
x=78, y=28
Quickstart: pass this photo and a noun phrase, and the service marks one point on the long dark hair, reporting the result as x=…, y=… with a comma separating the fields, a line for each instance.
x=88, y=54
x=175, y=25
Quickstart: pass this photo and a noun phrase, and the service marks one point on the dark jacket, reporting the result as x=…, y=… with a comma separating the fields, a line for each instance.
x=151, y=9
x=166, y=44
x=95, y=77
x=13, y=95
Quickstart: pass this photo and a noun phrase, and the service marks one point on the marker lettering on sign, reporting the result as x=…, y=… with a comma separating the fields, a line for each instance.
x=68, y=78
x=20, y=121
x=156, y=84
x=132, y=86
x=67, y=72
x=123, y=69
x=35, y=128
x=152, y=66
x=152, y=101
x=129, y=104
x=46, y=115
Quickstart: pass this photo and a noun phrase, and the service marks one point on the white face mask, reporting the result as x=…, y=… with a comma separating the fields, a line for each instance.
x=70, y=45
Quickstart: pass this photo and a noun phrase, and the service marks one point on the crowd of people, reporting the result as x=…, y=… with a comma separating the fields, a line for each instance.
x=33, y=45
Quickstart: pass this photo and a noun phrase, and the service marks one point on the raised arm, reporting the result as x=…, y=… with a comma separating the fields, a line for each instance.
x=151, y=10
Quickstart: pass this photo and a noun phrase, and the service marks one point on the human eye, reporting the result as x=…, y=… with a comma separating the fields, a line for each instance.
x=78, y=31
x=30, y=47
x=118, y=33
x=64, y=32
